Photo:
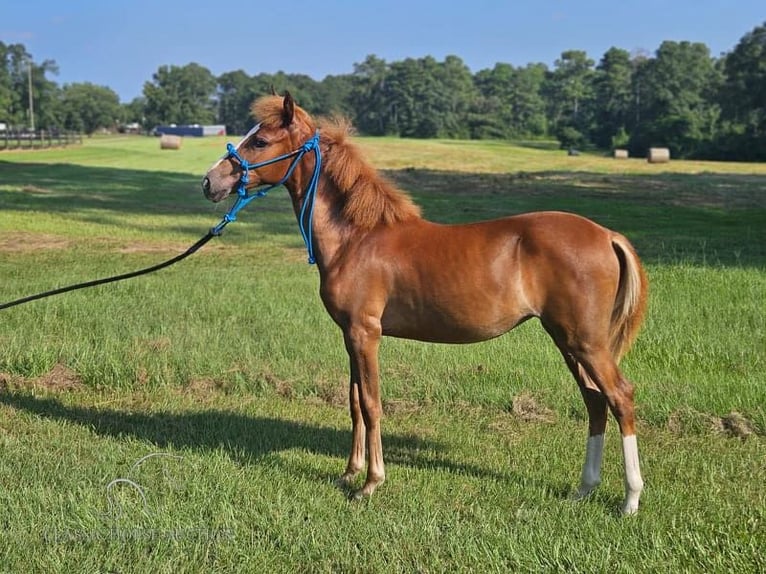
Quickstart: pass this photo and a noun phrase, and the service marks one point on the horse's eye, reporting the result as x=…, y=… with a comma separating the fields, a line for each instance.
x=259, y=142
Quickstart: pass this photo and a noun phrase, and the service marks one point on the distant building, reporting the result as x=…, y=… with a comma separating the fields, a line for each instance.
x=193, y=130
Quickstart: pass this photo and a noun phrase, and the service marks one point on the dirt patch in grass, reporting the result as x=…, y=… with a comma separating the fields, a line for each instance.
x=163, y=247
x=59, y=379
x=8, y=382
x=281, y=386
x=26, y=242
x=737, y=425
x=524, y=408
x=35, y=189
x=402, y=406
x=333, y=393
x=20, y=242
x=690, y=421
x=203, y=388
x=527, y=408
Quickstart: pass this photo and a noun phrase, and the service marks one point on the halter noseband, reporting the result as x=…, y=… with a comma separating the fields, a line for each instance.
x=305, y=223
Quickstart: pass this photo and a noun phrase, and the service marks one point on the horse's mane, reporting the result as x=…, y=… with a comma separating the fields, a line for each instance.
x=368, y=197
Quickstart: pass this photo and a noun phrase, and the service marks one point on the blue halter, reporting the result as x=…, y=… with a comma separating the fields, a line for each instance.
x=306, y=217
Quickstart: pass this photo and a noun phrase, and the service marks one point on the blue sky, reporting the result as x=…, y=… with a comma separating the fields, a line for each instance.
x=121, y=43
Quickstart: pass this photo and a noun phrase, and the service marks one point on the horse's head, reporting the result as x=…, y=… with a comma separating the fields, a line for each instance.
x=282, y=128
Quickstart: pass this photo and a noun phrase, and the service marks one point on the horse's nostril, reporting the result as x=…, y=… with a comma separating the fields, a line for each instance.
x=206, y=185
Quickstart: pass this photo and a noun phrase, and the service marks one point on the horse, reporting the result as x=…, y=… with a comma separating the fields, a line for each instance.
x=386, y=271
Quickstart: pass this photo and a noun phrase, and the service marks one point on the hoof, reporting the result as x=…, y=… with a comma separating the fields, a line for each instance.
x=630, y=503
x=345, y=480
x=629, y=508
x=345, y=484
x=366, y=491
x=359, y=495
x=583, y=492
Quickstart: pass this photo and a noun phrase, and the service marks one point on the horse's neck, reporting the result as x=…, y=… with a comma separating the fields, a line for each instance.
x=342, y=216
x=330, y=231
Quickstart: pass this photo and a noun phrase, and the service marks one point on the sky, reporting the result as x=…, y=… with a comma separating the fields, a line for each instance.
x=121, y=43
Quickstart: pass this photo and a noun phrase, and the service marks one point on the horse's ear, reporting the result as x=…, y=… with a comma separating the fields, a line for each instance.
x=273, y=91
x=288, y=110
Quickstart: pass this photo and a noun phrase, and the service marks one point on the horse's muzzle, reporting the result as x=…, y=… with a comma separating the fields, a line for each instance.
x=213, y=192
x=206, y=186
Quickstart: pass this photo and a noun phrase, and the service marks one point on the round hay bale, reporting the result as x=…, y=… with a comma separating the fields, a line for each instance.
x=170, y=142
x=658, y=155
x=620, y=154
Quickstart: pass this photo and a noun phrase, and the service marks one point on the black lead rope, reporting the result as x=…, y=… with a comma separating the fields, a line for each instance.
x=210, y=234
x=242, y=200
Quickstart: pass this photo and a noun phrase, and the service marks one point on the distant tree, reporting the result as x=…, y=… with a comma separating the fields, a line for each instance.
x=87, y=107
x=677, y=107
x=613, y=99
x=528, y=115
x=511, y=104
x=369, y=97
x=569, y=91
x=304, y=89
x=457, y=95
x=46, y=96
x=181, y=95
x=236, y=92
x=408, y=95
x=491, y=115
x=133, y=111
x=743, y=96
x=334, y=94
x=16, y=69
x=8, y=96
x=417, y=97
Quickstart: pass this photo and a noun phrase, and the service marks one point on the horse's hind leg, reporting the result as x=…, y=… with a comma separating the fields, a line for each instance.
x=603, y=371
x=596, y=405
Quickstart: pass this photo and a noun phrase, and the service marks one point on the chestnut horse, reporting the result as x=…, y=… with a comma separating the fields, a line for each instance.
x=384, y=270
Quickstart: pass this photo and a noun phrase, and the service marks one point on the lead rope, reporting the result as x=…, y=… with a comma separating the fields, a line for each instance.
x=243, y=198
x=105, y=280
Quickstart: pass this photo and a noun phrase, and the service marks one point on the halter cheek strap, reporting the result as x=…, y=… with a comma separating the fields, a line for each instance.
x=306, y=217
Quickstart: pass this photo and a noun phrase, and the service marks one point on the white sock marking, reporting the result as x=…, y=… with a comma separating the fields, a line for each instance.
x=633, y=481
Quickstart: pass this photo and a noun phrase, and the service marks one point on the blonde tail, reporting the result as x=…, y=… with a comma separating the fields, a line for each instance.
x=632, y=295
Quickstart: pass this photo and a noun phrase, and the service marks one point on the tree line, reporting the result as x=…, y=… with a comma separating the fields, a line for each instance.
x=681, y=97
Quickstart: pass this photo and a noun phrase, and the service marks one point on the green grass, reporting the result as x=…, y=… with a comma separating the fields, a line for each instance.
x=229, y=361
x=253, y=492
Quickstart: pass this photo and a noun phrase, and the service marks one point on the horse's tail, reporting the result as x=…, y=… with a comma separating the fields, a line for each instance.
x=632, y=295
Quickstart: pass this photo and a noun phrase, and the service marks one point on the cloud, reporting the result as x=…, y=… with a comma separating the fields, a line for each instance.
x=17, y=36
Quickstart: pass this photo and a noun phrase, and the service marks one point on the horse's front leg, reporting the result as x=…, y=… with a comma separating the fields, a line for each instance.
x=356, y=458
x=362, y=343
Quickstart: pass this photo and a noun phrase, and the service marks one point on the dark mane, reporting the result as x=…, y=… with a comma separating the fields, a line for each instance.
x=370, y=198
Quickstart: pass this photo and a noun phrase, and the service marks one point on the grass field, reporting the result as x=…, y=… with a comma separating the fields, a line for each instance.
x=226, y=368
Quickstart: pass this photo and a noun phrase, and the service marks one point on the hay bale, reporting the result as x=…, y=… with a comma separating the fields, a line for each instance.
x=658, y=155
x=170, y=142
x=620, y=154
